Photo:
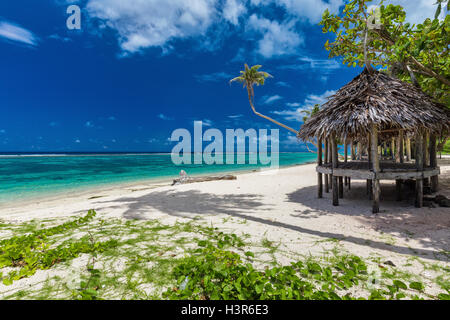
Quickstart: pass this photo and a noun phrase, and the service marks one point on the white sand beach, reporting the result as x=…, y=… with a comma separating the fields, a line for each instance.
x=281, y=205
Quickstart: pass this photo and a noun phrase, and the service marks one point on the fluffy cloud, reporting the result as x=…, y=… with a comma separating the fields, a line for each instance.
x=153, y=23
x=276, y=38
x=233, y=10
x=295, y=111
x=16, y=33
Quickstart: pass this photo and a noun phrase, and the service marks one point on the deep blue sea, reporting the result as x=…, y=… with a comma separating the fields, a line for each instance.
x=25, y=176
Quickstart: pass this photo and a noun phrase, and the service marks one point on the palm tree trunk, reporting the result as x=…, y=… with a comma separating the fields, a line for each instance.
x=268, y=118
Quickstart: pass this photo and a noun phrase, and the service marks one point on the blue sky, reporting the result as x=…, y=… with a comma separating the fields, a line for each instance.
x=137, y=70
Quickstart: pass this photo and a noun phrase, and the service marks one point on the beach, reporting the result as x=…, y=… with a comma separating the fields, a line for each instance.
x=278, y=205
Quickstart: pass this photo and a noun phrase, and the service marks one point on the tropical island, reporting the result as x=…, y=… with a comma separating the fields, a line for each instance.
x=361, y=214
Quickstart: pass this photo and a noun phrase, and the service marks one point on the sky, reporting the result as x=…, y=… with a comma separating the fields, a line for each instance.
x=139, y=69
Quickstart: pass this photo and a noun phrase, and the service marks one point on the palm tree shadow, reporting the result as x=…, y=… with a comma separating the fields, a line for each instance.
x=188, y=204
x=192, y=203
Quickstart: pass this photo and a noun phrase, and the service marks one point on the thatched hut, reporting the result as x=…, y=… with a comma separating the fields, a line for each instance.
x=381, y=117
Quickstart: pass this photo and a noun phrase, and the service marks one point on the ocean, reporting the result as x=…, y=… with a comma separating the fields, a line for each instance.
x=26, y=176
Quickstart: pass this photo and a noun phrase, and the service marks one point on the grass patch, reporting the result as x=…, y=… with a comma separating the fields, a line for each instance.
x=90, y=258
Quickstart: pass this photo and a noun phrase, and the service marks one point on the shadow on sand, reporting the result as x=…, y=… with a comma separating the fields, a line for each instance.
x=192, y=203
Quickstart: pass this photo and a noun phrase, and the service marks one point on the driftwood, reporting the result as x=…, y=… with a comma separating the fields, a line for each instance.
x=185, y=179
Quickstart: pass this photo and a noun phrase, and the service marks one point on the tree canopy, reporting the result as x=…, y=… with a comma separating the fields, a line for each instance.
x=417, y=53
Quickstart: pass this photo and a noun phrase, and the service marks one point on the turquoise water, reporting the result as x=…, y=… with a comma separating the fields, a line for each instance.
x=22, y=177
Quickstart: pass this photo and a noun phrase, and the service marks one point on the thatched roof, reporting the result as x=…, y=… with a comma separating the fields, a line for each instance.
x=374, y=97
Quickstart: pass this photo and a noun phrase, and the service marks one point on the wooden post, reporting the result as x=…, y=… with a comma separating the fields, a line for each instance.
x=408, y=149
x=375, y=168
x=327, y=188
x=426, y=157
x=345, y=158
x=359, y=150
x=393, y=151
x=353, y=150
x=369, y=184
x=419, y=166
x=335, y=165
x=400, y=147
x=319, y=175
x=433, y=163
x=330, y=160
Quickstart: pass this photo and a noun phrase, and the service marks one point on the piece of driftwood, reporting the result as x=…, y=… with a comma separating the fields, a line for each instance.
x=185, y=179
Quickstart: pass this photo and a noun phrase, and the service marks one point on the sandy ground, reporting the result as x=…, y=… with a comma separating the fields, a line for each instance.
x=280, y=205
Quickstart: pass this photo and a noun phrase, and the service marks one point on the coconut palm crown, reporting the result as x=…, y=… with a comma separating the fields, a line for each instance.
x=251, y=76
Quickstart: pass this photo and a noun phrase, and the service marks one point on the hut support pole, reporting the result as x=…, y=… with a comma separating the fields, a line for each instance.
x=359, y=150
x=334, y=154
x=399, y=159
x=433, y=163
x=330, y=160
x=408, y=149
x=419, y=166
x=426, y=157
x=327, y=188
x=353, y=150
x=369, y=184
x=376, y=169
x=345, y=159
x=319, y=175
x=393, y=151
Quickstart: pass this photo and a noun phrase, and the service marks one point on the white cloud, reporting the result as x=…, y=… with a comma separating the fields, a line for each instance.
x=294, y=113
x=89, y=124
x=271, y=99
x=277, y=39
x=213, y=77
x=164, y=117
x=153, y=23
x=234, y=9
x=310, y=10
x=205, y=122
x=16, y=33
x=325, y=66
x=417, y=11
x=237, y=116
x=59, y=38
x=283, y=84
x=141, y=24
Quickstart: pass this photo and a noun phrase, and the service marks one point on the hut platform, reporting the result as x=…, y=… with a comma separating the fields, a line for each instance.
x=389, y=170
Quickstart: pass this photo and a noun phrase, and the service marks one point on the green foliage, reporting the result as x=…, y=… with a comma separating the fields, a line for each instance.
x=214, y=273
x=422, y=47
x=31, y=252
x=89, y=289
x=311, y=112
x=251, y=76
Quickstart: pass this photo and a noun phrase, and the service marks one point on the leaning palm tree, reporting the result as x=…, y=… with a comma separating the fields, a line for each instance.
x=251, y=76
